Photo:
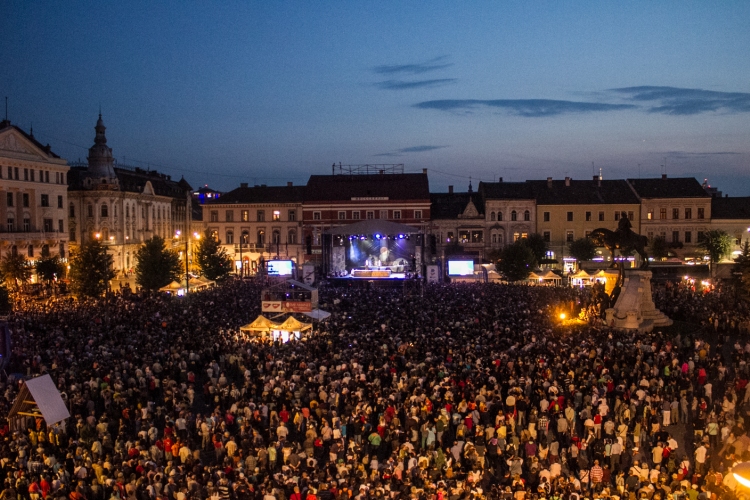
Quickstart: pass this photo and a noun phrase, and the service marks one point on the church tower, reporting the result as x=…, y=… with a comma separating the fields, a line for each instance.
x=101, y=171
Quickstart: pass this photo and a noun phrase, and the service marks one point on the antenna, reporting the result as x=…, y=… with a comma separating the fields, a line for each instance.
x=600, y=173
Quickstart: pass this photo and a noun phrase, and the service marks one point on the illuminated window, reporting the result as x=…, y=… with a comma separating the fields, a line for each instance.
x=650, y=215
x=276, y=215
x=245, y=216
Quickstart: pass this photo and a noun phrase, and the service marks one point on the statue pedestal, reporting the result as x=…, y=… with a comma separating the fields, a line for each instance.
x=634, y=309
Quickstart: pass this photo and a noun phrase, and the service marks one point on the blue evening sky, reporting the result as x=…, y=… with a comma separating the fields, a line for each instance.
x=268, y=92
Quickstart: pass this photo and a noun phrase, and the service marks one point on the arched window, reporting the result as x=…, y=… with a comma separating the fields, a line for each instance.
x=494, y=238
x=276, y=237
x=513, y=215
x=14, y=250
x=292, y=237
x=105, y=210
x=127, y=211
x=45, y=250
x=230, y=237
x=500, y=216
x=261, y=237
x=245, y=238
x=31, y=251
x=527, y=215
x=90, y=210
x=105, y=234
x=492, y=215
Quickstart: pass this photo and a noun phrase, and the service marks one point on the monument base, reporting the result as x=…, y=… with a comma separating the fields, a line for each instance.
x=634, y=309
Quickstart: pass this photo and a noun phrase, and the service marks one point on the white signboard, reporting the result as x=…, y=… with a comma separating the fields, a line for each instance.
x=432, y=274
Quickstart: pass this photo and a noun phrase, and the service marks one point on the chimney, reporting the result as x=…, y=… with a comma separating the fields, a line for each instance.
x=500, y=180
x=549, y=182
x=289, y=184
x=664, y=177
x=243, y=184
x=567, y=181
x=450, y=189
x=424, y=171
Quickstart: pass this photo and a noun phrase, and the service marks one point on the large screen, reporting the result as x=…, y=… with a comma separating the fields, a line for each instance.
x=279, y=267
x=373, y=252
x=460, y=267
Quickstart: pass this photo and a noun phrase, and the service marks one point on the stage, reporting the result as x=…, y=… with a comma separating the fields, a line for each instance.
x=396, y=280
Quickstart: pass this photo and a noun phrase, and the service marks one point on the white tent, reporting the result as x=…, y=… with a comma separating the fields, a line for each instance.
x=39, y=397
x=317, y=314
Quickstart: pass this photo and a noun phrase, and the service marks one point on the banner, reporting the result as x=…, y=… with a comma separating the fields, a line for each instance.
x=296, y=306
x=432, y=274
x=271, y=306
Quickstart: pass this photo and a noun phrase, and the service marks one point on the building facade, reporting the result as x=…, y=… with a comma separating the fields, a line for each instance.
x=257, y=223
x=732, y=215
x=123, y=207
x=33, y=181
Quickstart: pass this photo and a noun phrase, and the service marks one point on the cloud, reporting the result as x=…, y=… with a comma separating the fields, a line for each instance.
x=411, y=149
x=413, y=69
x=688, y=154
x=680, y=101
x=404, y=85
x=523, y=107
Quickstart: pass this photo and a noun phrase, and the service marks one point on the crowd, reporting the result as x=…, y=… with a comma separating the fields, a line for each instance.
x=458, y=391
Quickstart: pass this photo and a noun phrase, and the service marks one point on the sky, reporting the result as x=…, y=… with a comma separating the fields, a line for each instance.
x=267, y=92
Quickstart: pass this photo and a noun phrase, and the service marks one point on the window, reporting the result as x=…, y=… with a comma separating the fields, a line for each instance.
x=261, y=216
x=662, y=213
x=276, y=237
x=59, y=201
x=230, y=216
x=516, y=237
x=546, y=217
x=588, y=216
x=492, y=216
x=277, y=215
x=214, y=216
x=292, y=216
x=601, y=216
x=46, y=176
x=700, y=212
x=26, y=224
x=513, y=215
x=570, y=217
x=62, y=250
x=45, y=200
x=675, y=236
x=650, y=215
x=48, y=226
x=25, y=198
x=11, y=224
x=57, y=177
x=700, y=235
x=617, y=215
x=383, y=214
x=688, y=237
x=31, y=250
x=60, y=226
x=230, y=237
x=342, y=215
x=245, y=238
x=688, y=213
x=245, y=215
x=675, y=213
x=449, y=238
x=355, y=214
x=630, y=215
x=26, y=176
x=316, y=215
x=417, y=214
x=500, y=216
x=33, y=177
x=90, y=209
x=15, y=171
x=261, y=237
x=397, y=214
x=568, y=236
x=105, y=210
x=370, y=214
x=72, y=235
x=292, y=237
x=10, y=172
x=547, y=236
x=526, y=215
x=72, y=211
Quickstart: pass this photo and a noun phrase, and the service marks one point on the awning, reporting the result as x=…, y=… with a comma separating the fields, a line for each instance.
x=291, y=324
x=39, y=397
x=260, y=324
x=317, y=314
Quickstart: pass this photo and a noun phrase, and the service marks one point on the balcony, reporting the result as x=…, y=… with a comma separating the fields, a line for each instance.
x=33, y=235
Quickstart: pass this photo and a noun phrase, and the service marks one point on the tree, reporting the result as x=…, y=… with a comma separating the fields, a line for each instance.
x=516, y=261
x=91, y=270
x=659, y=248
x=582, y=249
x=156, y=266
x=49, y=267
x=6, y=303
x=742, y=271
x=535, y=242
x=15, y=269
x=212, y=259
x=716, y=244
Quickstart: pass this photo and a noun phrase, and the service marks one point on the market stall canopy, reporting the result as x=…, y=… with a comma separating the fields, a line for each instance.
x=39, y=397
x=549, y=276
x=318, y=314
x=373, y=226
x=534, y=276
x=291, y=324
x=172, y=287
x=261, y=324
x=581, y=275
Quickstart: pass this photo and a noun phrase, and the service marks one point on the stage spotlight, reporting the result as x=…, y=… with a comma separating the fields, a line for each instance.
x=377, y=235
x=363, y=237
x=401, y=236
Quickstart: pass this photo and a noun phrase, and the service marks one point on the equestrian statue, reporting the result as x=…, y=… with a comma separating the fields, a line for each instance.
x=623, y=239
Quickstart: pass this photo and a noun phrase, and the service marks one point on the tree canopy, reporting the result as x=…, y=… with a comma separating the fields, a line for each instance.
x=582, y=249
x=91, y=270
x=49, y=267
x=15, y=269
x=156, y=265
x=716, y=243
x=212, y=258
x=516, y=261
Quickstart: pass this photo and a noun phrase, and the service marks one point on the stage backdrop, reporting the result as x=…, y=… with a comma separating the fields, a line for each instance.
x=338, y=259
x=398, y=254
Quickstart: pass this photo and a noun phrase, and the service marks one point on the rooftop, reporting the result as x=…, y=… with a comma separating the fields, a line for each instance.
x=346, y=187
x=583, y=192
x=665, y=187
x=737, y=208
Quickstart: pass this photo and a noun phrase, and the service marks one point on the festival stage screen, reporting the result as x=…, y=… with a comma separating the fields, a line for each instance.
x=460, y=268
x=280, y=267
x=378, y=252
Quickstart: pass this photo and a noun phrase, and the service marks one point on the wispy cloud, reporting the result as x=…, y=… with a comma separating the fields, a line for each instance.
x=523, y=107
x=693, y=154
x=435, y=64
x=403, y=85
x=411, y=149
x=681, y=101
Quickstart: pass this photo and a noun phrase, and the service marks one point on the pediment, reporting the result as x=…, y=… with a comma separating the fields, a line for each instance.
x=470, y=211
x=148, y=188
x=14, y=143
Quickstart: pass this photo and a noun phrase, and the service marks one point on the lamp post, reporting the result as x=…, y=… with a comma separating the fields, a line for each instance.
x=187, y=270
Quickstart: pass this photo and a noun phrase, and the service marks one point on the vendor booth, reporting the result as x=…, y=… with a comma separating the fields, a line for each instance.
x=550, y=278
x=263, y=328
x=581, y=278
